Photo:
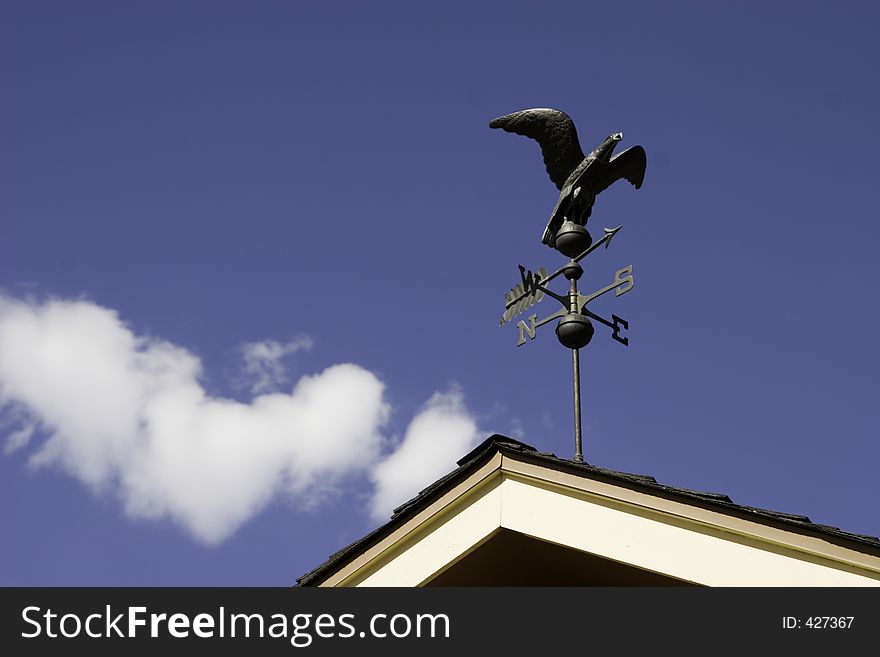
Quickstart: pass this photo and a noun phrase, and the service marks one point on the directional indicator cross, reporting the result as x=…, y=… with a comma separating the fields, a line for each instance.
x=574, y=328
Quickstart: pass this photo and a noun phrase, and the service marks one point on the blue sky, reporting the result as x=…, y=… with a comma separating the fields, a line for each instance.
x=253, y=256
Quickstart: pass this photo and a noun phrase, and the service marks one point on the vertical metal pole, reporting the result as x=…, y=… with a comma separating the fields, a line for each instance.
x=576, y=375
x=578, y=441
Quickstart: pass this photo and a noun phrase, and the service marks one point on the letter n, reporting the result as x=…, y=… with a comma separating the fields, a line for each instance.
x=526, y=329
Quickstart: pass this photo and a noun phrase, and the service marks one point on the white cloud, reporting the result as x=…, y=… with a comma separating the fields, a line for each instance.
x=127, y=414
x=263, y=365
x=437, y=437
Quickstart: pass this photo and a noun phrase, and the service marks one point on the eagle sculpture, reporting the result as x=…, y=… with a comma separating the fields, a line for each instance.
x=579, y=178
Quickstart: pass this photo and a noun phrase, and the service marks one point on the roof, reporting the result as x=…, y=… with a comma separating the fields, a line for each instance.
x=643, y=483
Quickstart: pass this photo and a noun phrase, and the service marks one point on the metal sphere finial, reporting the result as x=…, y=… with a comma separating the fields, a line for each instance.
x=573, y=271
x=574, y=330
x=572, y=239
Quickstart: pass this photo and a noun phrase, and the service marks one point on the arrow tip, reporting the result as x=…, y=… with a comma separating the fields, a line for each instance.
x=610, y=233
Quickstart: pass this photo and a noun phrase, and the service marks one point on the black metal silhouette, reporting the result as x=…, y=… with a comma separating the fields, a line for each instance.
x=579, y=178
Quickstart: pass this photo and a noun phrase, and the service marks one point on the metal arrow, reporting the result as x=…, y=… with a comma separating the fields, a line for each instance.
x=605, y=239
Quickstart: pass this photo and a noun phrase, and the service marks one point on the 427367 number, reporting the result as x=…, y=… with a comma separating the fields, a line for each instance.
x=818, y=622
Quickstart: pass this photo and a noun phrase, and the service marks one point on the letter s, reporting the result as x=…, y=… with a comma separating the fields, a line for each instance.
x=343, y=622
x=24, y=617
x=624, y=283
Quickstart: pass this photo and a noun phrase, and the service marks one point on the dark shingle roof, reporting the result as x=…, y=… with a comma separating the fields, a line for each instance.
x=644, y=483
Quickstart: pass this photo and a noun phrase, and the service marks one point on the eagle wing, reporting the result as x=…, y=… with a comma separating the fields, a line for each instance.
x=554, y=131
x=630, y=164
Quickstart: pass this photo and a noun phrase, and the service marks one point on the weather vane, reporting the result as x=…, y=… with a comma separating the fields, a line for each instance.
x=579, y=179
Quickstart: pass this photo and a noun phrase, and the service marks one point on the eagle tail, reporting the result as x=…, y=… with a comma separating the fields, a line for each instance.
x=549, y=236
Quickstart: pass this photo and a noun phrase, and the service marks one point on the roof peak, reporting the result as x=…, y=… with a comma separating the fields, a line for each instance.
x=496, y=439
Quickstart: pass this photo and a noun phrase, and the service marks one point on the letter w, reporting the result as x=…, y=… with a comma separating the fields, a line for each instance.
x=529, y=280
